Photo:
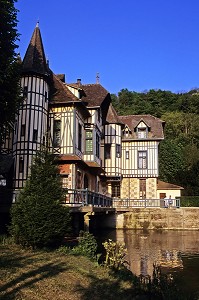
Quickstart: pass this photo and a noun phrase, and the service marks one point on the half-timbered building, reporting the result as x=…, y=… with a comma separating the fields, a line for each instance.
x=95, y=148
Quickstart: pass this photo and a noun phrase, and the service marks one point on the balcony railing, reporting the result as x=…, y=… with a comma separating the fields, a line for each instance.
x=84, y=197
x=128, y=203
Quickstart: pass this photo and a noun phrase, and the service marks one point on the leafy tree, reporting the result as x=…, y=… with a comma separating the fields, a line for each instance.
x=171, y=162
x=37, y=218
x=9, y=66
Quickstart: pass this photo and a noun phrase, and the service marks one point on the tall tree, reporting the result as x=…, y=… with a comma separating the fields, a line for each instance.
x=38, y=219
x=9, y=66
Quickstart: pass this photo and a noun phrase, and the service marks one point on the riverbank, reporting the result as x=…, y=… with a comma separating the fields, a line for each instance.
x=41, y=275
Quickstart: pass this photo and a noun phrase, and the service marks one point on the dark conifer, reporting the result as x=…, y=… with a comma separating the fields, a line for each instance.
x=38, y=219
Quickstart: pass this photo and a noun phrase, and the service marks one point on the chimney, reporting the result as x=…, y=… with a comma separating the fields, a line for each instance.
x=79, y=81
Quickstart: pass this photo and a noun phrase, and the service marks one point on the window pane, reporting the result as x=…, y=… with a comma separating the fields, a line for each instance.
x=107, y=150
x=142, y=160
x=142, y=133
x=57, y=133
x=89, y=141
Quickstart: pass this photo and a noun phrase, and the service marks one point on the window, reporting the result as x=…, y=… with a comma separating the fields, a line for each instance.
x=65, y=182
x=2, y=181
x=35, y=133
x=46, y=96
x=142, y=188
x=127, y=132
x=86, y=181
x=79, y=137
x=21, y=165
x=115, y=188
x=142, y=159
x=127, y=154
x=89, y=141
x=142, y=133
x=25, y=91
x=56, y=133
x=107, y=151
x=97, y=145
x=118, y=150
x=23, y=127
x=98, y=115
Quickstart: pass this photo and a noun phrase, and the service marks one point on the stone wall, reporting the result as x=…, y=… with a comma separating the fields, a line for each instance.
x=186, y=218
x=130, y=188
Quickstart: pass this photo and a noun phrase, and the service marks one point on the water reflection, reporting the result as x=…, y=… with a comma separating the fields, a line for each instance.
x=175, y=251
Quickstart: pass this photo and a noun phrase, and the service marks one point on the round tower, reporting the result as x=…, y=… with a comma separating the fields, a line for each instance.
x=32, y=121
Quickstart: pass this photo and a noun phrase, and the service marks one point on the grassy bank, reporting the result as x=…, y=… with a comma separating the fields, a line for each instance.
x=40, y=275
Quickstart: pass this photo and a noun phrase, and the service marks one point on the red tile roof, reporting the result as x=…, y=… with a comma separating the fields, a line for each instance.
x=168, y=186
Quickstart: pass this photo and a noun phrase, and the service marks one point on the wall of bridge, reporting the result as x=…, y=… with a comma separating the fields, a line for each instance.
x=186, y=218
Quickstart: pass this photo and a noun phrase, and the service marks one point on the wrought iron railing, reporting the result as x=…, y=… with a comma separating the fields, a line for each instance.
x=84, y=197
x=128, y=203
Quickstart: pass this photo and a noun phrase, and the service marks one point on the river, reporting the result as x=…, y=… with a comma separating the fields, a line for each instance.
x=176, y=252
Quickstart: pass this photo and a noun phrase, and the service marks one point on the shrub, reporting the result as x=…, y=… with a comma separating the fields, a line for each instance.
x=87, y=245
x=38, y=218
x=115, y=255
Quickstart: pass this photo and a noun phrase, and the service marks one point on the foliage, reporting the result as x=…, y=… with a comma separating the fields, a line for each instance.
x=171, y=161
x=87, y=246
x=115, y=255
x=189, y=201
x=160, y=286
x=6, y=240
x=38, y=218
x=9, y=67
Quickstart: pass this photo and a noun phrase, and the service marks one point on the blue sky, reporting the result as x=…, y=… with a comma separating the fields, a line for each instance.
x=133, y=44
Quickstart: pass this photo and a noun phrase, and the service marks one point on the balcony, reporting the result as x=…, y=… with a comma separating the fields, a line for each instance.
x=84, y=197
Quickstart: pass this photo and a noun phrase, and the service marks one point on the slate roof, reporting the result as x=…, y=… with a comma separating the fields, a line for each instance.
x=168, y=186
x=61, y=93
x=112, y=116
x=154, y=124
x=95, y=93
x=34, y=60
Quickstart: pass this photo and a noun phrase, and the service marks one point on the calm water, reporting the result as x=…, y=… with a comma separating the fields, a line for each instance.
x=175, y=252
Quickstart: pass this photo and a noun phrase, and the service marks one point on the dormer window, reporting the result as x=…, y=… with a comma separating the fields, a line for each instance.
x=126, y=132
x=142, y=133
x=142, y=130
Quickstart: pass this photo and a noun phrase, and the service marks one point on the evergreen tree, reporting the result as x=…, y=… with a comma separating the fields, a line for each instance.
x=38, y=219
x=9, y=66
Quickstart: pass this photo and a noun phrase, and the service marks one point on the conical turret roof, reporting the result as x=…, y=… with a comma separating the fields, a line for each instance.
x=34, y=59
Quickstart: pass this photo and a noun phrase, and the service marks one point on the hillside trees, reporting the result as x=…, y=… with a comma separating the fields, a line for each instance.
x=9, y=66
x=37, y=218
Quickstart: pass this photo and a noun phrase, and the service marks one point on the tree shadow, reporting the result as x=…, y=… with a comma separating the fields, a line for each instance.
x=28, y=278
x=108, y=289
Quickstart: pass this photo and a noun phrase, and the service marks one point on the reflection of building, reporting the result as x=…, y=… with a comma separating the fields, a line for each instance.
x=169, y=259
x=163, y=249
x=97, y=149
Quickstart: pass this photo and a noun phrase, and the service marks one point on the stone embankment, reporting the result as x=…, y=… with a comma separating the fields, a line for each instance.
x=186, y=218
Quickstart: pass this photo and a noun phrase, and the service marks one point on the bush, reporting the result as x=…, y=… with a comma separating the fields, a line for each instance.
x=87, y=246
x=115, y=255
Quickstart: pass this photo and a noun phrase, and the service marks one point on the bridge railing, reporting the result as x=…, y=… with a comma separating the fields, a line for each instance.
x=127, y=203
x=84, y=197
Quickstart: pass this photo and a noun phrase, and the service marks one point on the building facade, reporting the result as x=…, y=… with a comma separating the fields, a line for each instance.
x=96, y=149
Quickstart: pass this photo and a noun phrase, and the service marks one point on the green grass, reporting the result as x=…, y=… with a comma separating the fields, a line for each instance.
x=43, y=275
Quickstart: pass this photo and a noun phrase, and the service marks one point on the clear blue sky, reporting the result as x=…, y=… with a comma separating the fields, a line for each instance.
x=133, y=44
